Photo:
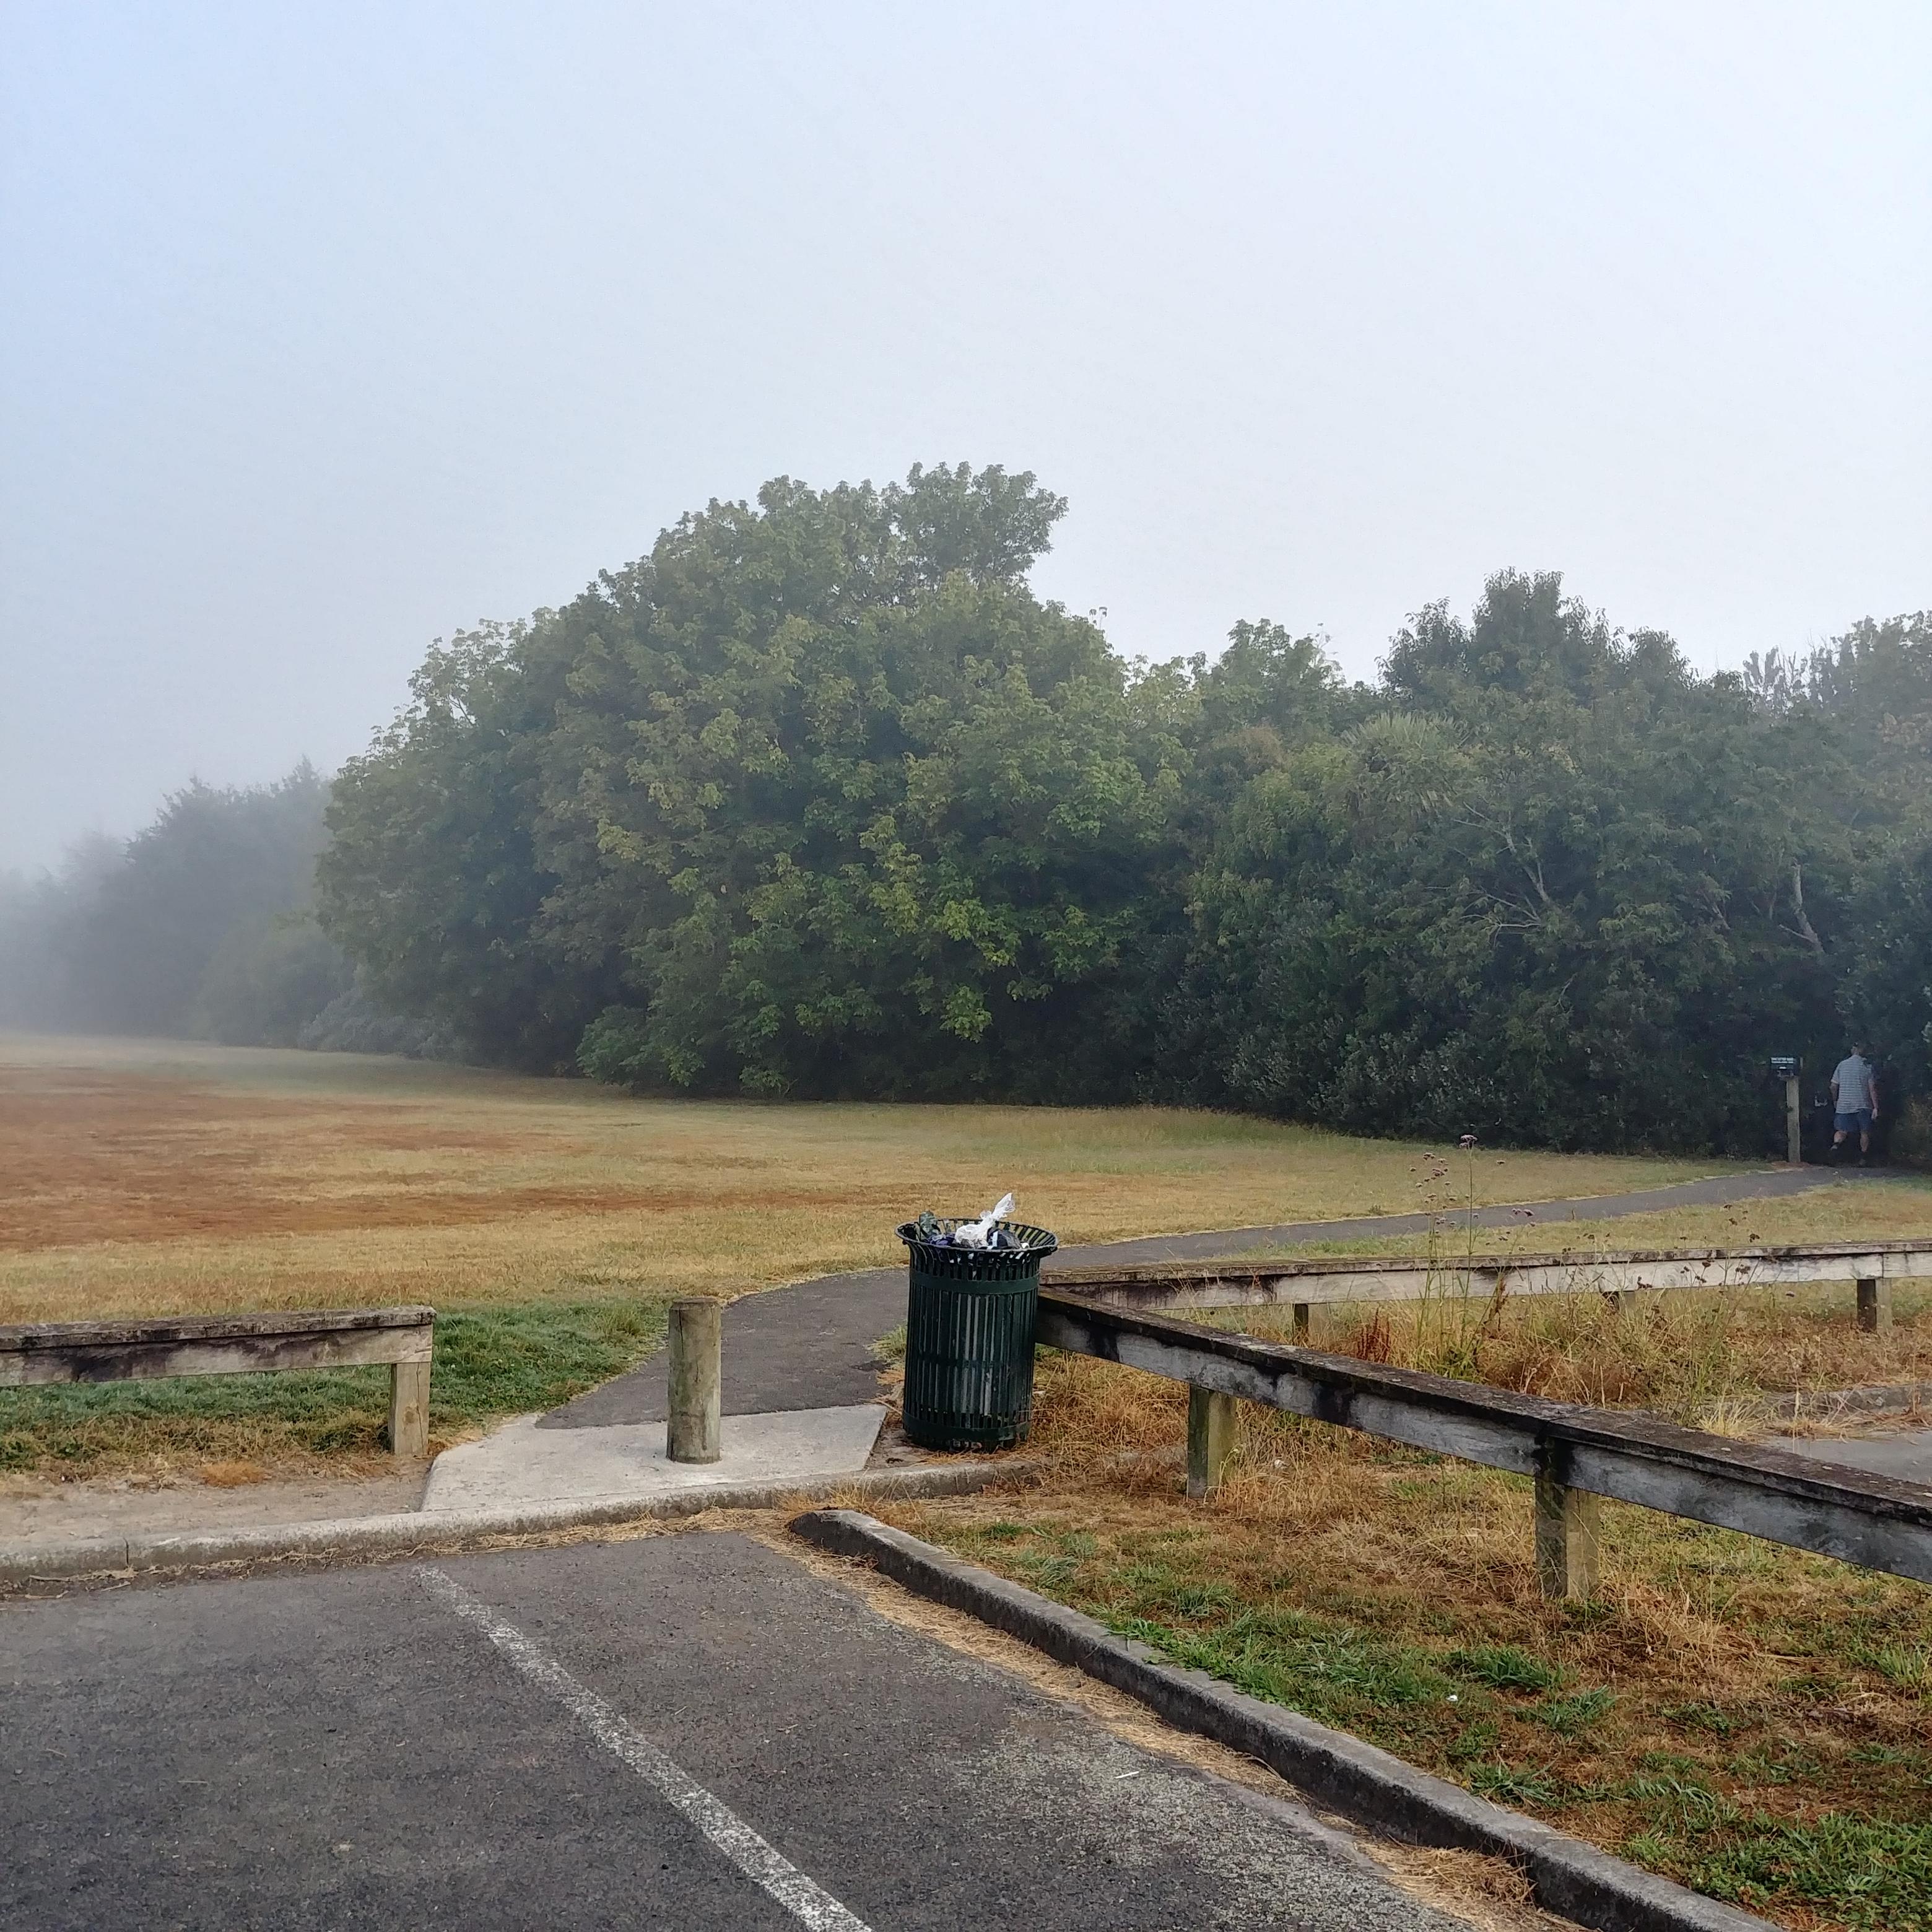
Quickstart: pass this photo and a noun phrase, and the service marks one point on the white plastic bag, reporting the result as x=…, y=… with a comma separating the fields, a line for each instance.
x=979, y=1234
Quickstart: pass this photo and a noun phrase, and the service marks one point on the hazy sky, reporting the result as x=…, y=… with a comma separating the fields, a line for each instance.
x=326, y=329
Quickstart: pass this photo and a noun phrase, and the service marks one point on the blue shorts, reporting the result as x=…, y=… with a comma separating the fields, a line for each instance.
x=1858, y=1121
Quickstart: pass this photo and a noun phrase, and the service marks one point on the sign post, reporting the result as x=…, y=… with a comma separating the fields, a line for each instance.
x=1782, y=1064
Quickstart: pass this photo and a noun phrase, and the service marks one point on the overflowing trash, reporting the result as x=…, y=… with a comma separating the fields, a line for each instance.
x=972, y=1305
x=986, y=1232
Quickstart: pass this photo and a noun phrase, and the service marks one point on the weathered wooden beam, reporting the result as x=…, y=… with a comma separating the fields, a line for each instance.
x=1302, y=1284
x=1211, y=1440
x=33, y=1353
x=1850, y=1514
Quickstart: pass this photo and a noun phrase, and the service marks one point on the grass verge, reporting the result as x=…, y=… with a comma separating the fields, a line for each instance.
x=1748, y=1720
x=490, y=1362
x=1896, y=1207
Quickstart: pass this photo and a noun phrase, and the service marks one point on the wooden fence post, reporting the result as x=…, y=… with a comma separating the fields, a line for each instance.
x=1874, y=1303
x=1210, y=1439
x=692, y=1426
x=1314, y=1323
x=408, y=1408
x=1569, y=1536
x=1791, y=1136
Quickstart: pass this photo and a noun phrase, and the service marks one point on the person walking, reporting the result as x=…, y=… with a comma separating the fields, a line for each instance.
x=1854, y=1101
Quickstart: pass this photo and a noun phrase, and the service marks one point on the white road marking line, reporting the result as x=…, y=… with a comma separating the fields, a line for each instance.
x=761, y=1862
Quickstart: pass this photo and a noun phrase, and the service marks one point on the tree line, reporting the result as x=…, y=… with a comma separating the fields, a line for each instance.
x=818, y=798
x=202, y=926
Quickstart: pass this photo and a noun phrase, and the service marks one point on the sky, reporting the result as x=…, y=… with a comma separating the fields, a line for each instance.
x=327, y=330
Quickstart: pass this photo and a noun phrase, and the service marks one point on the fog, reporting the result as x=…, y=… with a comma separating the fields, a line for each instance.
x=326, y=330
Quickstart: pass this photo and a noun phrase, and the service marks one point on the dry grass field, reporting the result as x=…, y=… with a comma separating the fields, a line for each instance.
x=549, y=1222
x=158, y=1177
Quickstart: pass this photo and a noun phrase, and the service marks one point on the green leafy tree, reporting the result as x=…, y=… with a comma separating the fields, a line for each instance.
x=859, y=813
x=817, y=797
x=431, y=882
x=1548, y=899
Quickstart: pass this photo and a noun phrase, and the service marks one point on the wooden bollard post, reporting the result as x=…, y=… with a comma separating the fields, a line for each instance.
x=692, y=1415
x=1792, y=1137
x=1874, y=1303
x=1211, y=1440
x=1569, y=1534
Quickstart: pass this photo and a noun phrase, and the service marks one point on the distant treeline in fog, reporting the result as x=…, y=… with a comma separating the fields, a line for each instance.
x=819, y=799
x=202, y=926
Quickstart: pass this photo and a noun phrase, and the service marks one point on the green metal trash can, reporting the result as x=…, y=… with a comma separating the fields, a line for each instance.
x=969, y=1338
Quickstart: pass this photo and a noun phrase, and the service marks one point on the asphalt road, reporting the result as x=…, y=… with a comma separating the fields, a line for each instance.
x=688, y=1732
x=808, y=1344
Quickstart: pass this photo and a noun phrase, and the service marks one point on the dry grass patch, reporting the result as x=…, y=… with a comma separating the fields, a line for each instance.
x=1707, y=1357
x=1746, y=1718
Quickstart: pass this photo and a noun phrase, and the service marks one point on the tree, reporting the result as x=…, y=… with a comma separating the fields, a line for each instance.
x=1548, y=898
x=856, y=810
x=818, y=797
x=431, y=882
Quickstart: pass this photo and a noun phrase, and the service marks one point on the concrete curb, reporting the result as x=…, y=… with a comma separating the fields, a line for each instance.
x=1566, y=1875
x=352, y=1537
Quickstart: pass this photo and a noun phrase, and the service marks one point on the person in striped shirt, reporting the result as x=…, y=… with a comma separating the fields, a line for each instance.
x=1854, y=1101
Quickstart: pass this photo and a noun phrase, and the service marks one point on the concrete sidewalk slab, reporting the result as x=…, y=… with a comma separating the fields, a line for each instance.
x=519, y=1464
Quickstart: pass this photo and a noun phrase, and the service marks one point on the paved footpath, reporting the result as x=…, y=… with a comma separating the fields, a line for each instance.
x=691, y=1732
x=808, y=1344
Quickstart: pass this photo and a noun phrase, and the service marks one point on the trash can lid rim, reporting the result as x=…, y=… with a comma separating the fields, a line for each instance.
x=1032, y=1240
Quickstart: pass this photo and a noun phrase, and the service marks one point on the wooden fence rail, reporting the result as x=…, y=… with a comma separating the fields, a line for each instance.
x=38, y=1352
x=1576, y=1454
x=1306, y=1284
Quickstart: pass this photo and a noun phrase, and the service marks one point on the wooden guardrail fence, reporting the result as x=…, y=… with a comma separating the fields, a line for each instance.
x=1306, y=1284
x=38, y=1352
x=1576, y=1454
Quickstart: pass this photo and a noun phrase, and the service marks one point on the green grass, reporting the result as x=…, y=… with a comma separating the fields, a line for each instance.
x=1504, y=1667
x=1876, y=1876
x=489, y=1363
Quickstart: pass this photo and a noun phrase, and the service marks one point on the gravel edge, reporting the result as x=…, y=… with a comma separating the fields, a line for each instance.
x=408, y=1530
x=1567, y=1876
